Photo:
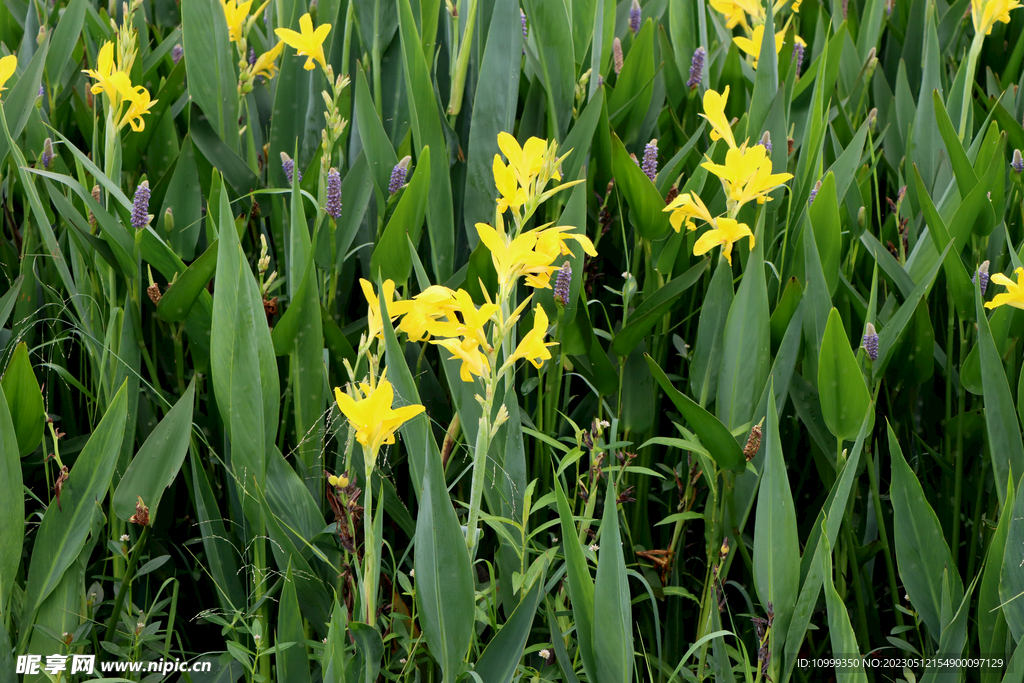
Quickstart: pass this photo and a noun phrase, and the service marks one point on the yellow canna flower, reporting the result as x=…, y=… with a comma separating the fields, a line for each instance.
x=104, y=70
x=236, y=14
x=752, y=45
x=308, y=43
x=505, y=180
x=138, y=104
x=474, y=361
x=266, y=65
x=526, y=161
x=686, y=207
x=532, y=347
x=1014, y=294
x=394, y=308
x=425, y=310
x=373, y=417
x=552, y=242
x=516, y=257
x=714, y=113
x=747, y=175
x=8, y=65
x=985, y=13
x=725, y=233
x=733, y=12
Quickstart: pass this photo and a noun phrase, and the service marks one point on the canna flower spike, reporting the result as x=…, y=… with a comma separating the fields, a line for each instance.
x=372, y=416
x=309, y=43
x=726, y=232
x=985, y=13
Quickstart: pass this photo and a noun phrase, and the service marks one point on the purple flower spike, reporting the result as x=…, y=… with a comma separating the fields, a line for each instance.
x=696, y=68
x=398, y=175
x=1018, y=163
x=288, y=165
x=177, y=52
x=870, y=342
x=634, y=17
x=982, y=272
x=333, y=203
x=562, y=283
x=650, y=163
x=140, y=206
x=798, y=56
x=47, y=156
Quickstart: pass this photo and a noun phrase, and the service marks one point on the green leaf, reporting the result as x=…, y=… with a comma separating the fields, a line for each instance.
x=335, y=661
x=379, y=153
x=24, y=399
x=551, y=50
x=921, y=550
x=156, y=465
x=711, y=432
x=581, y=586
x=427, y=132
x=65, y=526
x=957, y=278
x=293, y=663
x=370, y=648
x=840, y=631
x=776, y=575
x=212, y=83
x=841, y=389
x=12, y=514
x=746, y=345
x=991, y=620
x=966, y=179
x=646, y=205
x=221, y=555
x=634, y=85
x=824, y=215
x=176, y=303
x=707, y=351
x=766, y=81
x=20, y=101
x=653, y=310
x=65, y=36
x=613, y=641
x=391, y=259
x=500, y=659
x=444, y=582
x=1001, y=425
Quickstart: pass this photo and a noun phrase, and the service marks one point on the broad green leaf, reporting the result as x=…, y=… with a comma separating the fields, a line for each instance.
x=824, y=215
x=369, y=647
x=629, y=101
x=20, y=100
x=645, y=202
x=391, y=259
x=841, y=634
x=581, y=586
x=990, y=618
x=427, y=132
x=12, y=514
x=613, y=639
x=221, y=555
x=500, y=659
x=921, y=550
x=707, y=351
x=1001, y=425
x=176, y=303
x=380, y=155
x=156, y=465
x=1011, y=580
x=841, y=389
x=711, y=432
x=444, y=580
x=335, y=661
x=766, y=81
x=293, y=663
x=24, y=399
x=776, y=575
x=653, y=310
x=66, y=525
x=212, y=83
x=552, y=49
x=962, y=169
x=957, y=278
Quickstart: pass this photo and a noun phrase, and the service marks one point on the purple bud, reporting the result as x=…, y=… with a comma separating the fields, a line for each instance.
x=252, y=57
x=600, y=80
x=634, y=17
x=140, y=206
x=650, y=164
x=696, y=68
x=177, y=52
x=562, y=283
x=814, y=193
x=398, y=175
x=870, y=342
x=522, y=15
x=47, y=156
x=798, y=56
x=288, y=165
x=1018, y=163
x=333, y=203
x=766, y=141
x=982, y=272
x=42, y=90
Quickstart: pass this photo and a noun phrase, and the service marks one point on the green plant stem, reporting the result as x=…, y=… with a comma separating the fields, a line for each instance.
x=890, y=571
x=959, y=464
x=483, y=444
x=125, y=583
x=369, y=552
x=972, y=67
x=462, y=63
x=858, y=593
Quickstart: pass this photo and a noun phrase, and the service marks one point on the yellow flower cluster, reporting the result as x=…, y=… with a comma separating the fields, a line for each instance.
x=521, y=182
x=750, y=16
x=985, y=13
x=746, y=176
x=240, y=22
x=112, y=80
x=372, y=416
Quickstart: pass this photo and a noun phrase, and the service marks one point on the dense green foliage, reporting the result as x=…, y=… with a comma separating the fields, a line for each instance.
x=729, y=377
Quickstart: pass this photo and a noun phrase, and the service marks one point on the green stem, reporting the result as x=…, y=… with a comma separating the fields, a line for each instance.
x=972, y=66
x=369, y=554
x=483, y=443
x=876, y=499
x=959, y=465
x=462, y=63
x=125, y=583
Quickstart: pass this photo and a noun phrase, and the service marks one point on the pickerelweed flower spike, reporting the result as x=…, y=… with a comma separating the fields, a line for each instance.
x=332, y=205
x=177, y=52
x=617, y=59
x=634, y=17
x=140, y=206
x=398, y=175
x=46, y=158
x=814, y=193
x=650, y=164
x=522, y=15
x=1018, y=162
x=562, y=284
x=982, y=272
x=870, y=342
x=288, y=165
x=766, y=141
x=798, y=55
x=696, y=68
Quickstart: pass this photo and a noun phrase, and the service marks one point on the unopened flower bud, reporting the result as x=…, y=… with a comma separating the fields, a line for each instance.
x=169, y=221
x=617, y=59
x=288, y=165
x=141, y=516
x=634, y=17
x=766, y=141
x=753, y=444
x=814, y=193
x=1018, y=162
x=861, y=216
x=870, y=342
x=177, y=52
x=47, y=156
x=982, y=274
